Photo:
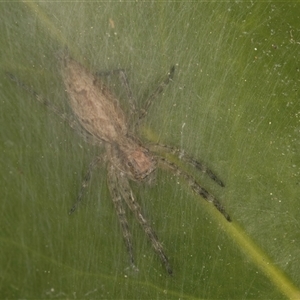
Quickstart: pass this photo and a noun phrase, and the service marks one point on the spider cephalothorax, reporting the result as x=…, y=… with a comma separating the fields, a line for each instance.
x=132, y=159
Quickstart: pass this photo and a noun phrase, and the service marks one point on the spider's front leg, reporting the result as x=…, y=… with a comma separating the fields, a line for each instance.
x=195, y=186
x=120, y=187
x=113, y=186
x=158, y=148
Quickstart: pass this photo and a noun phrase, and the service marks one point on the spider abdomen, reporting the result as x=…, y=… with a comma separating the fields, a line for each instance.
x=96, y=108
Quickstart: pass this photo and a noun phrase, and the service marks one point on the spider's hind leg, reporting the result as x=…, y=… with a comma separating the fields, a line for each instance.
x=69, y=119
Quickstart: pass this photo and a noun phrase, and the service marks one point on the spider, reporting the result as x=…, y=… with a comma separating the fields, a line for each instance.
x=99, y=118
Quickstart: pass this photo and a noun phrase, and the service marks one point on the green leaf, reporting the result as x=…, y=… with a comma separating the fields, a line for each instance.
x=233, y=103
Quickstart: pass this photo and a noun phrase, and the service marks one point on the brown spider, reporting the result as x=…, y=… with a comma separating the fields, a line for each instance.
x=100, y=120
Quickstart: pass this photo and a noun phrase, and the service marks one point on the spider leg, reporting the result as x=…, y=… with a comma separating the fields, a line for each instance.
x=125, y=82
x=85, y=183
x=196, y=187
x=188, y=159
x=159, y=89
x=127, y=195
x=42, y=100
x=70, y=120
x=117, y=200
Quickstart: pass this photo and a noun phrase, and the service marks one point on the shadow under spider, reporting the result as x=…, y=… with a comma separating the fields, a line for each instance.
x=99, y=119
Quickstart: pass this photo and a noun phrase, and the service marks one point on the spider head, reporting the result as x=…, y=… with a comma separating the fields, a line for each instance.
x=139, y=163
x=132, y=159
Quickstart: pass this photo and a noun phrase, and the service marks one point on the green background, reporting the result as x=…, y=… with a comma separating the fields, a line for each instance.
x=233, y=103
